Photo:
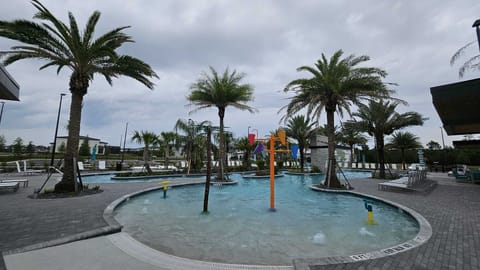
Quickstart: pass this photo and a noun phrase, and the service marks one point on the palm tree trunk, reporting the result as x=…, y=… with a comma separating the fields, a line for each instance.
x=351, y=156
x=221, y=156
x=302, y=159
x=68, y=180
x=145, y=160
x=403, y=158
x=331, y=175
x=381, y=155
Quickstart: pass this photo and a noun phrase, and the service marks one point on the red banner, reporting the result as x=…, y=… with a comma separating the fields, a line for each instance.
x=251, y=138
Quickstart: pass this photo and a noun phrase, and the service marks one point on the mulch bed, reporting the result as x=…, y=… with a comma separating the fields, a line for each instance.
x=53, y=195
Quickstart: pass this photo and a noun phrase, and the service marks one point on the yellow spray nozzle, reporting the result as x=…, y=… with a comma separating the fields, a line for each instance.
x=164, y=184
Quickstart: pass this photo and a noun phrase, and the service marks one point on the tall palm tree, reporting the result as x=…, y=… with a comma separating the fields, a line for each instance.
x=148, y=139
x=471, y=64
x=378, y=119
x=404, y=141
x=334, y=85
x=191, y=140
x=63, y=45
x=300, y=129
x=351, y=137
x=221, y=91
x=167, y=139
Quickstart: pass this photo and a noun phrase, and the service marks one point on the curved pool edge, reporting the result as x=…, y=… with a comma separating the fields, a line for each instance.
x=130, y=245
x=142, y=252
x=423, y=235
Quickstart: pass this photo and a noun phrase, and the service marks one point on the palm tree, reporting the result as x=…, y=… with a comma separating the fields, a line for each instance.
x=192, y=140
x=334, y=85
x=300, y=129
x=351, y=137
x=378, y=119
x=433, y=145
x=148, y=139
x=404, y=141
x=221, y=91
x=65, y=45
x=472, y=63
x=167, y=139
x=243, y=144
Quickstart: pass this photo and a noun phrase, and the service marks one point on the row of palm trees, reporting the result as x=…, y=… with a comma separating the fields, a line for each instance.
x=332, y=85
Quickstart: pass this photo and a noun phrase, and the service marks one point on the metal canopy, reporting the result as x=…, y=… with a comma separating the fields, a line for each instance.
x=9, y=89
x=458, y=105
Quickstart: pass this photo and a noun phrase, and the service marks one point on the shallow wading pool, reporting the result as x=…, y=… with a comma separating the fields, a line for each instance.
x=240, y=229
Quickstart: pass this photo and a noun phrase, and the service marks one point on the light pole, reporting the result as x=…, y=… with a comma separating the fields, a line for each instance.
x=476, y=25
x=1, y=112
x=56, y=129
x=444, y=151
x=119, y=166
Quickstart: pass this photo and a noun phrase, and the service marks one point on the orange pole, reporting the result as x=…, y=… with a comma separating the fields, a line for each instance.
x=272, y=173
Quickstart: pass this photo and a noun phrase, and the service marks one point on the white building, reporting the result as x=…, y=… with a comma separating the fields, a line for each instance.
x=61, y=142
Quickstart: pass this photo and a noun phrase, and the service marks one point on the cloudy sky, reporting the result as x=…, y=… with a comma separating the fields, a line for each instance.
x=267, y=40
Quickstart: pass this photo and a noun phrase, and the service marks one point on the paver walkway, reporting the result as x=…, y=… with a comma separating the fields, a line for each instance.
x=453, y=210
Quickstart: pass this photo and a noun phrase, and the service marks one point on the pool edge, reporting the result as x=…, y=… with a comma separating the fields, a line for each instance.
x=424, y=234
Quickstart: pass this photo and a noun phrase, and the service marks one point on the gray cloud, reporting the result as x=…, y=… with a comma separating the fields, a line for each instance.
x=268, y=40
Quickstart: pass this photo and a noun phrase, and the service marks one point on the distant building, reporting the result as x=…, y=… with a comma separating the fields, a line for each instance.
x=61, y=142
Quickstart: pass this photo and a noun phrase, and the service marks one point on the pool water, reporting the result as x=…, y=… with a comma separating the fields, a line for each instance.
x=106, y=178
x=240, y=229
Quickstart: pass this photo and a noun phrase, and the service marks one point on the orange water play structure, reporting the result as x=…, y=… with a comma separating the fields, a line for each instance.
x=282, y=138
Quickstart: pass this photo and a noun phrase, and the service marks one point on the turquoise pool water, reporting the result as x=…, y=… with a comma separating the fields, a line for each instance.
x=240, y=229
x=106, y=178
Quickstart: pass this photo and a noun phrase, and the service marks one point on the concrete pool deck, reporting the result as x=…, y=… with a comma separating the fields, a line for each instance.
x=452, y=209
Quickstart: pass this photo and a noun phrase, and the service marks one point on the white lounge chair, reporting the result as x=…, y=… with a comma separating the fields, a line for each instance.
x=19, y=170
x=24, y=181
x=9, y=186
x=29, y=171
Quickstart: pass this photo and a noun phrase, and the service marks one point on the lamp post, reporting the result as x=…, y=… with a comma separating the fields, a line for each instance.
x=444, y=151
x=56, y=129
x=1, y=112
x=119, y=166
x=476, y=25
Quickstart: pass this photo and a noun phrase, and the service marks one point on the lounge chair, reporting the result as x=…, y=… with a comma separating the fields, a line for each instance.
x=29, y=171
x=9, y=186
x=101, y=165
x=19, y=170
x=24, y=181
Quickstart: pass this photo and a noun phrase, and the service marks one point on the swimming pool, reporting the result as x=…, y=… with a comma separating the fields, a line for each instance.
x=106, y=178
x=240, y=229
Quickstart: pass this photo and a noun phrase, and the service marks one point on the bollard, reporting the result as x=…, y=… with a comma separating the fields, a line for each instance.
x=165, y=186
x=369, y=208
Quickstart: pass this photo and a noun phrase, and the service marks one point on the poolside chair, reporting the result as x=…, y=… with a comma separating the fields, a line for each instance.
x=101, y=165
x=29, y=171
x=19, y=170
x=24, y=181
x=9, y=186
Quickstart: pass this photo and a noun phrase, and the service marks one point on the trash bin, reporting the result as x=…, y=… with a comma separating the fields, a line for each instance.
x=119, y=166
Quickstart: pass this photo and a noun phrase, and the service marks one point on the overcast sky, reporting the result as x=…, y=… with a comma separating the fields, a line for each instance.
x=267, y=40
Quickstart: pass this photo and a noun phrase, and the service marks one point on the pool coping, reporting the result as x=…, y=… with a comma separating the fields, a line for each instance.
x=424, y=234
